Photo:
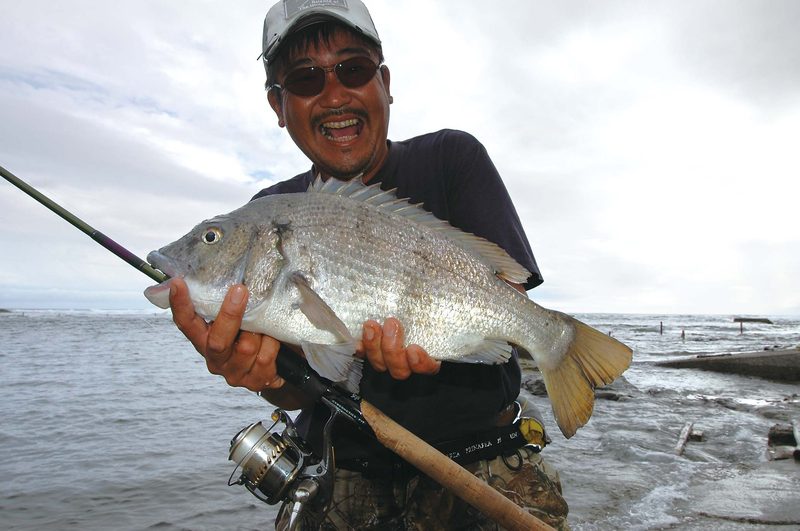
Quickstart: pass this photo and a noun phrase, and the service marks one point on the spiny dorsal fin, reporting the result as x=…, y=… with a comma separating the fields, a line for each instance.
x=387, y=201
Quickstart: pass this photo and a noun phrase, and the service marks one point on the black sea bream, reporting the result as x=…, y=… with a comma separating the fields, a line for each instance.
x=319, y=264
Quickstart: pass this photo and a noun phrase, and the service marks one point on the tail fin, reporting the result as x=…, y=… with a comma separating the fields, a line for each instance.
x=591, y=360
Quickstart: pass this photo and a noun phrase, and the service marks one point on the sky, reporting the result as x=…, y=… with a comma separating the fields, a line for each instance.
x=650, y=148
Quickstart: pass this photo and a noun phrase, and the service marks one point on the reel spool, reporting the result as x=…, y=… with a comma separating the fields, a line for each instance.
x=269, y=461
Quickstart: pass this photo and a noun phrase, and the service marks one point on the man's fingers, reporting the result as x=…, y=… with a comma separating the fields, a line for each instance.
x=384, y=349
x=371, y=340
x=420, y=362
x=262, y=372
x=225, y=328
x=188, y=322
x=394, y=352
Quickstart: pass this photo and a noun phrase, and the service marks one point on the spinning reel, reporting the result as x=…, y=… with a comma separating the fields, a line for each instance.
x=281, y=467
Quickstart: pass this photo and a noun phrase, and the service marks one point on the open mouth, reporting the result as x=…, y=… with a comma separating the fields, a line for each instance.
x=159, y=294
x=342, y=131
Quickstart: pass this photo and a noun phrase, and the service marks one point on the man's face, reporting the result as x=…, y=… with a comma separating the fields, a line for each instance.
x=342, y=130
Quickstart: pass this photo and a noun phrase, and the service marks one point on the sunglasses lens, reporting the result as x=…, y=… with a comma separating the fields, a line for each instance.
x=310, y=81
x=305, y=81
x=355, y=72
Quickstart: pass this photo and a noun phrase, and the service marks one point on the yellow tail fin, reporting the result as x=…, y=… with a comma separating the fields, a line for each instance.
x=592, y=359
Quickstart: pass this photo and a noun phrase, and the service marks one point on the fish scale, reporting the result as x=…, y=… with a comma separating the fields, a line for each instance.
x=391, y=269
x=319, y=264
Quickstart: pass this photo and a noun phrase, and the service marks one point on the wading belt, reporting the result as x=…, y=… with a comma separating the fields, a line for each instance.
x=487, y=445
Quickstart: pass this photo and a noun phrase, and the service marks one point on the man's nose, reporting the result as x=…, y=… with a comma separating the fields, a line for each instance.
x=334, y=93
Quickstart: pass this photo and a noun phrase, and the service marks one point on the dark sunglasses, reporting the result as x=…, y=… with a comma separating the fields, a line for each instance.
x=310, y=80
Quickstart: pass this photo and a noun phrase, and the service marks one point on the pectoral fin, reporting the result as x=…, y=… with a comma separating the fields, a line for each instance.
x=317, y=310
x=333, y=361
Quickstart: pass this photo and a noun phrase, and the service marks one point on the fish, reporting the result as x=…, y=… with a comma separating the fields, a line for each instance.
x=320, y=263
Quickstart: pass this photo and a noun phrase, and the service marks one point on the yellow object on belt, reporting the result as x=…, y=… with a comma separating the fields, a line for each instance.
x=533, y=431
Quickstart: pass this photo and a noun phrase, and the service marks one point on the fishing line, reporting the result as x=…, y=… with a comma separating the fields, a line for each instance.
x=93, y=233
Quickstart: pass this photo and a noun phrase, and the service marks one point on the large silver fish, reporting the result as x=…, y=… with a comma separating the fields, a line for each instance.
x=319, y=264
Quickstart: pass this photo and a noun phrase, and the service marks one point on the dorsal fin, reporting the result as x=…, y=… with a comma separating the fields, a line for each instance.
x=387, y=201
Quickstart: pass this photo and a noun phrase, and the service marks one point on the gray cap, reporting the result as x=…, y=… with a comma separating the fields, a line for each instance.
x=289, y=16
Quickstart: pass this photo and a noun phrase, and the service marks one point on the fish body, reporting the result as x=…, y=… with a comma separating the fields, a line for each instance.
x=319, y=264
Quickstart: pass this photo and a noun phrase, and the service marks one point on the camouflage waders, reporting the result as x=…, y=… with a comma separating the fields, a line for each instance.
x=392, y=503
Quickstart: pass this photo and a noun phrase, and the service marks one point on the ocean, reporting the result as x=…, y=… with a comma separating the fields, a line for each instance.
x=111, y=421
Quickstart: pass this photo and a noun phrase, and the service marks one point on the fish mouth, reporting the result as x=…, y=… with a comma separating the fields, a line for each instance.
x=159, y=294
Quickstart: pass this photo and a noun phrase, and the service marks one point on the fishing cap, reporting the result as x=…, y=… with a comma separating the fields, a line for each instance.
x=289, y=16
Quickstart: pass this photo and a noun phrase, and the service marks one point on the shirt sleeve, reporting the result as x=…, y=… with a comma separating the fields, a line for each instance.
x=478, y=201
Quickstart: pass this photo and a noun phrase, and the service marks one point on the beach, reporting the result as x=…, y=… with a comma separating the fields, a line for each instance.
x=111, y=421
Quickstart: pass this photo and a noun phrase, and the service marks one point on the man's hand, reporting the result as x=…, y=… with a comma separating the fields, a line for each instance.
x=384, y=348
x=244, y=359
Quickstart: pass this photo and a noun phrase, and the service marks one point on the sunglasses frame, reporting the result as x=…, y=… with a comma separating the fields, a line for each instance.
x=325, y=70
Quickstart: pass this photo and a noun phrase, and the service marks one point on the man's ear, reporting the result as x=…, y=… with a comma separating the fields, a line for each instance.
x=275, y=97
x=386, y=77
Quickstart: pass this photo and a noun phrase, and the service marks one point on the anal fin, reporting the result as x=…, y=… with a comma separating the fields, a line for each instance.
x=489, y=351
x=335, y=362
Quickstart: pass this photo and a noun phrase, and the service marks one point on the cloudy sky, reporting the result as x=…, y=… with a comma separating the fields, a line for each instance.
x=650, y=147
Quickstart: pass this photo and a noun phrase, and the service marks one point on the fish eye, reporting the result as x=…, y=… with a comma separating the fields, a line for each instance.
x=212, y=236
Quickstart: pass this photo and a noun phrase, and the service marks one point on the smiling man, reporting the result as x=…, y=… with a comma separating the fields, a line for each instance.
x=329, y=88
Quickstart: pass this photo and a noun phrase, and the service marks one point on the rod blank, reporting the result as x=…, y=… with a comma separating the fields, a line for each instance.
x=87, y=229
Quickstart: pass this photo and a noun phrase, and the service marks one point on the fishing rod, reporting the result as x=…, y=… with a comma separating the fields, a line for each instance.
x=84, y=227
x=281, y=466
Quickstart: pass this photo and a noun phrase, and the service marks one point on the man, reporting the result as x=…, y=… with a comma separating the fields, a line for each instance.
x=329, y=88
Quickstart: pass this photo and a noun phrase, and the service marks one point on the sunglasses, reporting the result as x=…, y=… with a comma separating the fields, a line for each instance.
x=310, y=80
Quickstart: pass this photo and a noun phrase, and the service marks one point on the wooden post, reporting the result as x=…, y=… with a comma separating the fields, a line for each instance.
x=448, y=473
x=661, y=328
x=683, y=438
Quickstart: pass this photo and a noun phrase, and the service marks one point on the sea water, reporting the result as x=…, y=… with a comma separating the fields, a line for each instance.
x=110, y=420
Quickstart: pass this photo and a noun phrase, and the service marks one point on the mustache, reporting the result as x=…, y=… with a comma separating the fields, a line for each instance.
x=335, y=113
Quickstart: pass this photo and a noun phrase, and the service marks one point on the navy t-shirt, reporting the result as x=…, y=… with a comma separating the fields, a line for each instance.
x=451, y=173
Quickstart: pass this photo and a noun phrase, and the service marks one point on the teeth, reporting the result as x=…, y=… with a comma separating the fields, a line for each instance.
x=326, y=127
x=341, y=125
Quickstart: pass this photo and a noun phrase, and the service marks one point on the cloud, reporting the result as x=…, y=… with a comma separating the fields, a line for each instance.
x=649, y=147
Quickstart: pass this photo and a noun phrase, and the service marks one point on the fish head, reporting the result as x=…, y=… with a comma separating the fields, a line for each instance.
x=215, y=255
